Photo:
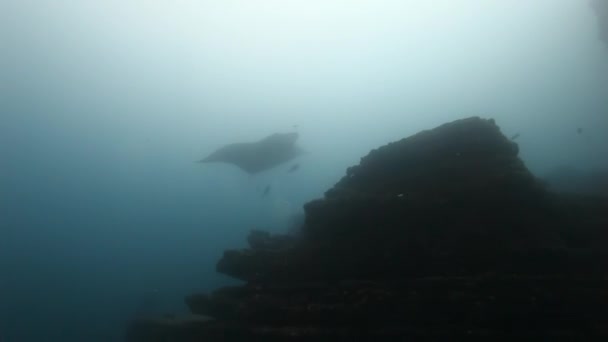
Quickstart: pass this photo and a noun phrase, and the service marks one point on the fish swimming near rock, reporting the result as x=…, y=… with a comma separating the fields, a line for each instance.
x=515, y=136
x=255, y=157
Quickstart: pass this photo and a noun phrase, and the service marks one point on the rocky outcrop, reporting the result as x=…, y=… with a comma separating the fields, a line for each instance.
x=441, y=235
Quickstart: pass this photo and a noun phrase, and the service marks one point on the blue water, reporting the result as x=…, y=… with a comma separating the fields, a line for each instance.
x=105, y=106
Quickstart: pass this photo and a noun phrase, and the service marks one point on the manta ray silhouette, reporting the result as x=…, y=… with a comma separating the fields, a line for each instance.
x=258, y=156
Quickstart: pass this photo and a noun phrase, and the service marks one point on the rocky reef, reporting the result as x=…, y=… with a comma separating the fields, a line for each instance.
x=444, y=235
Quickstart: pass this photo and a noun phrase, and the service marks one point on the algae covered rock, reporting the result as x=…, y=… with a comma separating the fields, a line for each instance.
x=444, y=235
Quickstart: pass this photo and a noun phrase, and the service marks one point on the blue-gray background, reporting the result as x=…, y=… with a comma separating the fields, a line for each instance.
x=104, y=106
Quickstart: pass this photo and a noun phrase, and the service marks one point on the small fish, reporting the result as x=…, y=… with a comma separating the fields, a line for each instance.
x=293, y=168
x=579, y=130
x=266, y=191
x=515, y=136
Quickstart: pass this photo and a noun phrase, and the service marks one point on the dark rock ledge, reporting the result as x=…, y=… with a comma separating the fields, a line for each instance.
x=444, y=235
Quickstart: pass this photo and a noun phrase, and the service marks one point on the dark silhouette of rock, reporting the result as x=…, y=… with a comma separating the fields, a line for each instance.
x=444, y=235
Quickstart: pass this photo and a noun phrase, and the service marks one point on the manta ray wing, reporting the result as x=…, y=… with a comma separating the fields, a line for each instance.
x=258, y=156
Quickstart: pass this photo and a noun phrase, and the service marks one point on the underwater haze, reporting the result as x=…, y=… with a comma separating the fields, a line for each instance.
x=106, y=105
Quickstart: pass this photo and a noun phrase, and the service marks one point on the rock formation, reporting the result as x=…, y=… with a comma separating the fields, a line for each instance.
x=444, y=235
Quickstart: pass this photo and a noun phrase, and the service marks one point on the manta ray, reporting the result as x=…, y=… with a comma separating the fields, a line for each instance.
x=254, y=157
